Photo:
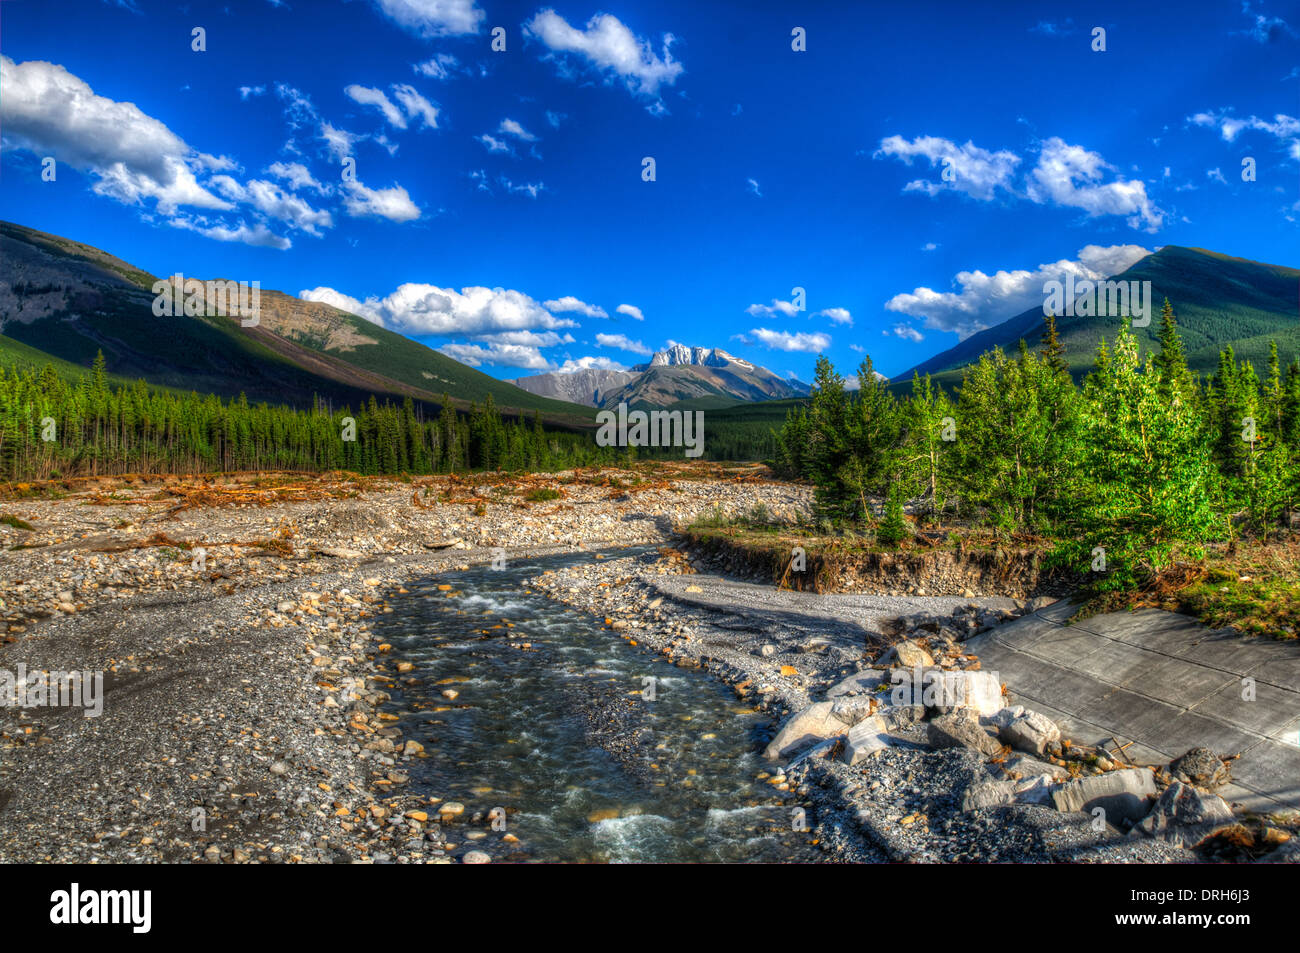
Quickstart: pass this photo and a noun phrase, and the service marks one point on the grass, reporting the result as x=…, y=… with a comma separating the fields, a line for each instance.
x=542, y=494
x=8, y=519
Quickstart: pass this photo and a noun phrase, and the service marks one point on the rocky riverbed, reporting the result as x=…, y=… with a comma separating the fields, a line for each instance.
x=247, y=692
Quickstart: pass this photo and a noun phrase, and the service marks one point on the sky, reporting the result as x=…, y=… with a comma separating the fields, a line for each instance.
x=828, y=178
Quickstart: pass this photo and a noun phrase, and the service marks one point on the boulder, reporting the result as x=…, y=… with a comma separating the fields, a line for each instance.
x=986, y=794
x=1123, y=795
x=980, y=692
x=814, y=724
x=1184, y=816
x=961, y=730
x=1031, y=732
x=908, y=654
x=865, y=739
x=1035, y=789
x=859, y=683
x=1027, y=767
x=1201, y=767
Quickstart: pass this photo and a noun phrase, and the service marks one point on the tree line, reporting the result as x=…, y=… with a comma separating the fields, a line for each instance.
x=50, y=428
x=1121, y=471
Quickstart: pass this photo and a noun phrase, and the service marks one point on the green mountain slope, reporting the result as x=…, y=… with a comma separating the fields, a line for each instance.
x=1218, y=300
x=68, y=300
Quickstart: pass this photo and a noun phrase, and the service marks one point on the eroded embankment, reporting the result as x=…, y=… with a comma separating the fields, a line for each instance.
x=832, y=566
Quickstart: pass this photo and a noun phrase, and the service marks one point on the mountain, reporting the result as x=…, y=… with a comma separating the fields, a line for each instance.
x=1218, y=300
x=701, y=377
x=587, y=386
x=64, y=301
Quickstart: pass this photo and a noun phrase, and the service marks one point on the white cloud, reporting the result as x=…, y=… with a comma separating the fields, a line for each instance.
x=631, y=310
x=416, y=106
x=247, y=91
x=590, y=363
x=611, y=48
x=531, y=189
x=555, y=118
x=1070, y=176
x=907, y=331
x=511, y=128
x=1284, y=128
x=338, y=141
x=623, y=343
x=257, y=235
x=133, y=156
x=753, y=187
x=974, y=171
x=777, y=306
x=929, y=246
x=368, y=96
x=274, y=202
x=811, y=343
x=296, y=174
x=498, y=355
x=836, y=315
x=393, y=203
x=493, y=144
x=985, y=300
x=440, y=66
x=428, y=309
x=430, y=18
x=571, y=304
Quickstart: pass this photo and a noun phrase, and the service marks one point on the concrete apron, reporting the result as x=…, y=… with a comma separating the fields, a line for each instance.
x=1164, y=682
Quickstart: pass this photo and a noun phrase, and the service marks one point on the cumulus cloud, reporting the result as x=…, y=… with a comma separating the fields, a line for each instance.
x=296, y=174
x=440, y=66
x=631, y=310
x=590, y=363
x=393, y=203
x=610, y=48
x=338, y=141
x=511, y=128
x=777, y=306
x=623, y=343
x=985, y=300
x=498, y=355
x=493, y=144
x=1284, y=128
x=431, y=18
x=811, y=343
x=906, y=331
x=836, y=315
x=571, y=304
x=132, y=156
x=413, y=105
x=1071, y=176
x=274, y=202
x=428, y=309
x=1065, y=175
x=973, y=171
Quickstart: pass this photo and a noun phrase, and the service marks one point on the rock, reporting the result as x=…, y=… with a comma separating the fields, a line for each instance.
x=852, y=709
x=1036, y=789
x=1027, y=767
x=1288, y=853
x=337, y=553
x=960, y=730
x=860, y=683
x=813, y=724
x=1031, y=732
x=451, y=808
x=898, y=717
x=865, y=739
x=476, y=857
x=986, y=794
x=908, y=654
x=1123, y=795
x=768, y=650
x=412, y=747
x=946, y=691
x=1184, y=816
x=285, y=606
x=1039, y=602
x=1201, y=767
x=280, y=768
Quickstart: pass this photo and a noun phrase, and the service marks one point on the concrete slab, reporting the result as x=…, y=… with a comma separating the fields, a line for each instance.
x=1165, y=682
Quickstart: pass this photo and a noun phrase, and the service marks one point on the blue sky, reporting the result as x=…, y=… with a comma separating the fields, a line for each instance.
x=919, y=169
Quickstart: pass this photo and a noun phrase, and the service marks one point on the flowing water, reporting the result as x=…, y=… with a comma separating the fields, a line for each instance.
x=553, y=721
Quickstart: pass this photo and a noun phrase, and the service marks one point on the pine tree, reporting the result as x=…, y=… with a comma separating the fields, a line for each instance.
x=1053, y=351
